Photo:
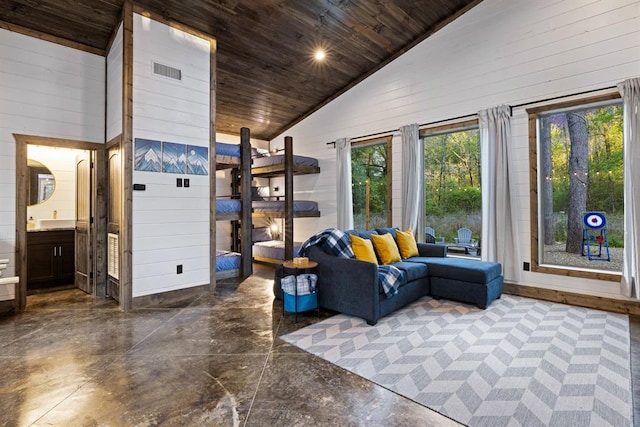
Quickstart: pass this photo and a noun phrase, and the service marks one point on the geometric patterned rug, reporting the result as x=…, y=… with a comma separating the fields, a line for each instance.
x=521, y=361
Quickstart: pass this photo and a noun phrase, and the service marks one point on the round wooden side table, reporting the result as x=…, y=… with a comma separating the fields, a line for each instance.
x=297, y=269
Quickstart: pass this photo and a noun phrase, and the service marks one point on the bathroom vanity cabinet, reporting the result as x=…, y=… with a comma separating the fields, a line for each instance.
x=50, y=259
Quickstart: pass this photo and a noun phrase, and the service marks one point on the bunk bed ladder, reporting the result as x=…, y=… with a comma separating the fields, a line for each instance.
x=288, y=198
x=236, y=245
x=246, y=263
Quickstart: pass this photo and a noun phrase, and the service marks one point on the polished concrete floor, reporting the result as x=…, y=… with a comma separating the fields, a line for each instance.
x=72, y=360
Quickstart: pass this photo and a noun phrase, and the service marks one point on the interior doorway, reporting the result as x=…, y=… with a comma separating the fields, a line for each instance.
x=85, y=220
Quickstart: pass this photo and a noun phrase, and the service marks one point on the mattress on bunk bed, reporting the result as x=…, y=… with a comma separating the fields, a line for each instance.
x=279, y=159
x=273, y=249
x=278, y=206
x=227, y=206
x=226, y=260
x=224, y=149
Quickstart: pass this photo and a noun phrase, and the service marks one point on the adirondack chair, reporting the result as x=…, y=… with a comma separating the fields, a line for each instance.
x=430, y=235
x=464, y=238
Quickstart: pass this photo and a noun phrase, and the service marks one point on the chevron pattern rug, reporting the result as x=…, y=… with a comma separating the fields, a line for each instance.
x=519, y=362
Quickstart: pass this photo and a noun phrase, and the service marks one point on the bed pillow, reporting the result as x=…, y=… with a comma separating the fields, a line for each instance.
x=386, y=248
x=363, y=249
x=406, y=244
x=260, y=234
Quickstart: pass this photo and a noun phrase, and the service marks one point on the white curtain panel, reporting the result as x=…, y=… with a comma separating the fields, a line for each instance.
x=412, y=181
x=630, y=91
x=499, y=238
x=343, y=181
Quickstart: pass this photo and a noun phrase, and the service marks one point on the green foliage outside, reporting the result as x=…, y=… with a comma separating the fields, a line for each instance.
x=605, y=176
x=369, y=168
x=453, y=198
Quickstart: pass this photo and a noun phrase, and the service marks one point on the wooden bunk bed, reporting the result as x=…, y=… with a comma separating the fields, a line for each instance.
x=238, y=261
x=286, y=165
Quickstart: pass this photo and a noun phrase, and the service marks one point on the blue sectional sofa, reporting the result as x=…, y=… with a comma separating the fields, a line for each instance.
x=351, y=286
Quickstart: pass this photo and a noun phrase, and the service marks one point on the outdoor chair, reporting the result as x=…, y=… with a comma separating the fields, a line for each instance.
x=464, y=237
x=430, y=235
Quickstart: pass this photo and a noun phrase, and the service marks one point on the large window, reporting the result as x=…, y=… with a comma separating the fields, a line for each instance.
x=577, y=195
x=453, y=197
x=371, y=180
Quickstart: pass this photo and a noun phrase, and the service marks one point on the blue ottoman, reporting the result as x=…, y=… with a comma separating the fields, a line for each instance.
x=464, y=280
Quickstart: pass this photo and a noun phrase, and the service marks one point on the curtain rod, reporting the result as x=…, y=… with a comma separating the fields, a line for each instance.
x=524, y=104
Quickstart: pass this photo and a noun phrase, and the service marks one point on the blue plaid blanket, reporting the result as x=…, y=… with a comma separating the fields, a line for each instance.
x=338, y=243
x=390, y=277
x=332, y=240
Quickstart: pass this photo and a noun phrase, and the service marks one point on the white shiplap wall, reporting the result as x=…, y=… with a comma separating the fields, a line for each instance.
x=114, y=87
x=170, y=224
x=46, y=90
x=500, y=52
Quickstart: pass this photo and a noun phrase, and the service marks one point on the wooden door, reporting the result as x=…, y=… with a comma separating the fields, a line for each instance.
x=113, y=218
x=83, y=249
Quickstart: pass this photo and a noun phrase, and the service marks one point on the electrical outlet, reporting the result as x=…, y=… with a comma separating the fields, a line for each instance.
x=526, y=266
x=179, y=269
x=186, y=182
x=178, y=182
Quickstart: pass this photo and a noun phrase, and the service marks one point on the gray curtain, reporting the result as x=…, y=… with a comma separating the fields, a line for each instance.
x=343, y=184
x=499, y=238
x=413, y=181
x=630, y=91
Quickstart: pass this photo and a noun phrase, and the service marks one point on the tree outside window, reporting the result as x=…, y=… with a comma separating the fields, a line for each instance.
x=371, y=183
x=453, y=197
x=580, y=155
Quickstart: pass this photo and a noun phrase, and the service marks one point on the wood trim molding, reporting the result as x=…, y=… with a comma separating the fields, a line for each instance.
x=53, y=39
x=580, y=300
x=21, y=218
x=212, y=166
x=126, y=157
x=561, y=105
x=462, y=125
x=57, y=142
x=100, y=242
x=113, y=142
x=169, y=298
x=22, y=141
x=533, y=189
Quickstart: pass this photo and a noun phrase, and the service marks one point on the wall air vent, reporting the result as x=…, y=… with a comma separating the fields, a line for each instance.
x=166, y=71
x=113, y=256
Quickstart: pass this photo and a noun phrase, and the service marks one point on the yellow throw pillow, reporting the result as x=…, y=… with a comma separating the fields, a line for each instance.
x=386, y=248
x=363, y=249
x=407, y=244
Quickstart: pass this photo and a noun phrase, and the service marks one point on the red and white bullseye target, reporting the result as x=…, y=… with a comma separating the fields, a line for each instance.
x=595, y=220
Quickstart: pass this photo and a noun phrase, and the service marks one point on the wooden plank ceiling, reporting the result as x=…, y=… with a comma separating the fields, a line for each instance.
x=267, y=78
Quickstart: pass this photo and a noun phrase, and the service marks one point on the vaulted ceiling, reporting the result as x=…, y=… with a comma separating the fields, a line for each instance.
x=267, y=79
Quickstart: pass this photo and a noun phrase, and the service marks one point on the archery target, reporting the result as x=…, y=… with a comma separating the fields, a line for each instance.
x=595, y=220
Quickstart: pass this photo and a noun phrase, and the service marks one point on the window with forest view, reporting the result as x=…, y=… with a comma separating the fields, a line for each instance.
x=580, y=187
x=453, y=197
x=371, y=183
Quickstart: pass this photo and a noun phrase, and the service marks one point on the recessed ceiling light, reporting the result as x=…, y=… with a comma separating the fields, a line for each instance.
x=319, y=55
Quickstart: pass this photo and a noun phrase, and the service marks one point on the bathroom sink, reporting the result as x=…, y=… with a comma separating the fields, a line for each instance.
x=55, y=223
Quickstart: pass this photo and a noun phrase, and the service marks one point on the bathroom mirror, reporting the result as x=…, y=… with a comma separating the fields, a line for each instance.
x=41, y=182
